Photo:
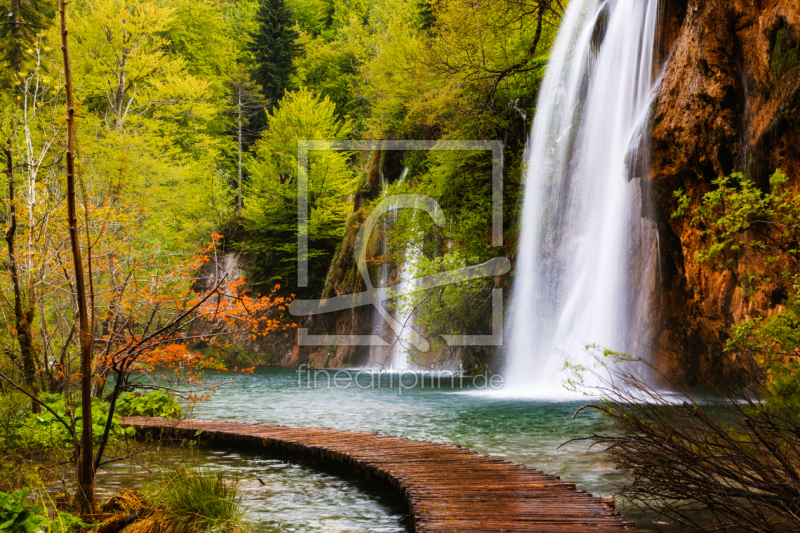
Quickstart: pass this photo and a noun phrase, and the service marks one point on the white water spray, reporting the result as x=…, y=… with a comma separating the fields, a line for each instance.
x=401, y=348
x=582, y=204
x=398, y=354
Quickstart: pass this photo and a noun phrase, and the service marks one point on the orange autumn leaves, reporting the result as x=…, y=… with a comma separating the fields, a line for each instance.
x=167, y=297
x=239, y=312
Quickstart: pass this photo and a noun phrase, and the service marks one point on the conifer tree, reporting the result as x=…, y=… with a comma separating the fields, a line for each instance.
x=20, y=20
x=244, y=104
x=274, y=49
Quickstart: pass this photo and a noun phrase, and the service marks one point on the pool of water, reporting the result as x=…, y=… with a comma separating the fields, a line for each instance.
x=280, y=496
x=537, y=433
x=531, y=432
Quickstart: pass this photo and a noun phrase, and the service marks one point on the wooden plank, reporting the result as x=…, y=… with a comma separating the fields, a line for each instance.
x=449, y=489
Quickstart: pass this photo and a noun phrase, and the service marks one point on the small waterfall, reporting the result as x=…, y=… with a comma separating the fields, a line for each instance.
x=397, y=356
x=402, y=345
x=582, y=229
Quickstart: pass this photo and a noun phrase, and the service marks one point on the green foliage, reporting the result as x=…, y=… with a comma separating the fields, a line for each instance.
x=14, y=409
x=271, y=212
x=328, y=68
x=154, y=403
x=742, y=223
x=195, y=500
x=209, y=54
x=451, y=78
x=274, y=48
x=683, y=203
x=22, y=21
x=44, y=432
x=775, y=342
x=460, y=308
x=741, y=219
x=150, y=83
x=19, y=515
x=311, y=15
x=785, y=54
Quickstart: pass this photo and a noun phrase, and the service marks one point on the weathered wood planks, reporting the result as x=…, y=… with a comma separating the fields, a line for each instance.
x=449, y=489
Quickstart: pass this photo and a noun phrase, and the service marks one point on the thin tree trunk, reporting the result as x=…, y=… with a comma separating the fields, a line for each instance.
x=85, y=465
x=16, y=44
x=239, y=202
x=118, y=376
x=23, y=318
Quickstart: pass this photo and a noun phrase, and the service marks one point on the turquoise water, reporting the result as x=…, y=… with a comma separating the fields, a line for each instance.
x=302, y=499
x=524, y=431
x=531, y=432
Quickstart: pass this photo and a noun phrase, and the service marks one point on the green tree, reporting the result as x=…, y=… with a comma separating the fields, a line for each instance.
x=271, y=208
x=274, y=49
x=21, y=21
x=244, y=103
x=313, y=16
x=153, y=132
x=209, y=54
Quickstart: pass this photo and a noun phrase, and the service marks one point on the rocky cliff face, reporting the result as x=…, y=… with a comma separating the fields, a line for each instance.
x=343, y=278
x=728, y=102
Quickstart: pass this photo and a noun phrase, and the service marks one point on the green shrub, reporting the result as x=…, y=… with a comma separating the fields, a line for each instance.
x=741, y=223
x=44, y=431
x=154, y=403
x=19, y=515
x=14, y=409
x=193, y=500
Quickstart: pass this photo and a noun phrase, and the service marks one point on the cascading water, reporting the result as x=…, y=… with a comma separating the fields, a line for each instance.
x=401, y=347
x=398, y=354
x=581, y=221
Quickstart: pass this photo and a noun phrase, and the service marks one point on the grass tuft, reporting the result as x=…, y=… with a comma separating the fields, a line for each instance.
x=193, y=500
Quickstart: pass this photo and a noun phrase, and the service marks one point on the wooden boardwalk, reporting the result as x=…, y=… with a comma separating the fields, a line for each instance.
x=449, y=489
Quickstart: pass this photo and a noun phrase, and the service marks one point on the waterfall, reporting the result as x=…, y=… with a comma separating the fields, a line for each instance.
x=397, y=357
x=404, y=302
x=582, y=227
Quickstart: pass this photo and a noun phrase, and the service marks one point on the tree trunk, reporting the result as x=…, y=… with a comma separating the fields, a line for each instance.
x=85, y=467
x=16, y=38
x=239, y=202
x=23, y=318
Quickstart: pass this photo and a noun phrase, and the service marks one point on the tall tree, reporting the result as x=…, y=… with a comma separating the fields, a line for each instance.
x=271, y=209
x=23, y=314
x=35, y=132
x=85, y=461
x=245, y=103
x=274, y=49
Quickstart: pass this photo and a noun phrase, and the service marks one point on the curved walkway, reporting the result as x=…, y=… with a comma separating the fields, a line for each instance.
x=449, y=489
